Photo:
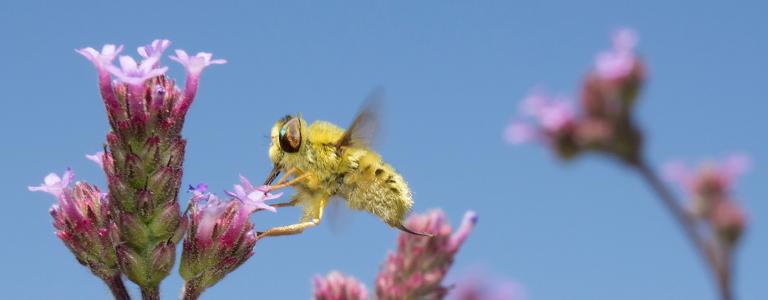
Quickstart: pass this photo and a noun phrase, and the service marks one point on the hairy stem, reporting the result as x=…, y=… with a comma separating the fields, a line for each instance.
x=117, y=287
x=150, y=293
x=718, y=268
x=192, y=290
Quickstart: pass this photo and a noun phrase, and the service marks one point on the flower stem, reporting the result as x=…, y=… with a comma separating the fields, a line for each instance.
x=192, y=290
x=150, y=293
x=720, y=272
x=117, y=287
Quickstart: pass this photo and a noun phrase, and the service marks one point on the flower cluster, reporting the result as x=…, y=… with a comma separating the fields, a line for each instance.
x=220, y=237
x=416, y=270
x=710, y=192
x=336, y=286
x=81, y=218
x=604, y=121
x=144, y=153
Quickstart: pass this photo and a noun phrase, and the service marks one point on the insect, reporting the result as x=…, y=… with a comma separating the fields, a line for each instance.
x=322, y=160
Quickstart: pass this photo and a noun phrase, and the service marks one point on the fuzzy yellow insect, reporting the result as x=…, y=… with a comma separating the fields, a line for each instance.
x=322, y=160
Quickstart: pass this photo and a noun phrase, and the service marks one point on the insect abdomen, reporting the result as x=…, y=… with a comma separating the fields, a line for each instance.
x=374, y=186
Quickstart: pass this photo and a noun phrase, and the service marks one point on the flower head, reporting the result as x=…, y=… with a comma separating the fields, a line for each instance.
x=135, y=74
x=196, y=64
x=101, y=59
x=154, y=49
x=621, y=60
x=336, y=286
x=416, y=270
x=53, y=184
x=220, y=237
x=81, y=219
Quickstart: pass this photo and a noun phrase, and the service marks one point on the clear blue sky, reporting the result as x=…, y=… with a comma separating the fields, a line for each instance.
x=454, y=73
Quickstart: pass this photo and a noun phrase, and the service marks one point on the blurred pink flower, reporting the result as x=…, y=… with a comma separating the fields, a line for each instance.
x=619, y=61
x=416, y=270
x=336, y=286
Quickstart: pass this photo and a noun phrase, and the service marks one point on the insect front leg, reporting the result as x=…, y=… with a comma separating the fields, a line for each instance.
x=313, y=213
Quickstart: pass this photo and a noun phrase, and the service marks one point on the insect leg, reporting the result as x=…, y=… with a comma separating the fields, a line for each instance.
x=310, y=219
x=289, y=183
x=286, y=176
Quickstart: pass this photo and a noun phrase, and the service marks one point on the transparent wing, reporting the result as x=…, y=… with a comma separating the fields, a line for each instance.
x=366, y=125
x=339, y=216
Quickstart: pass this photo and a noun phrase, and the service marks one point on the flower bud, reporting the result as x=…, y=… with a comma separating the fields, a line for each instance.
x=336, y=286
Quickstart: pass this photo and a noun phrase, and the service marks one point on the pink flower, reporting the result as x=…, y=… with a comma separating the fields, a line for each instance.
x=729, y=222
x=549, y=117
x=196, y=64
x=81, y=219
x=551, y=113
x=336, y=286
x=710, y=177
x=478, y=285
x=135, y=74
x=97, y=157
x=520, y=133
x=53, y=184
x=253, y=197
x=619, y=61
x=220, y=237
x=101, y=59
x=416, y=270
x=154, y=49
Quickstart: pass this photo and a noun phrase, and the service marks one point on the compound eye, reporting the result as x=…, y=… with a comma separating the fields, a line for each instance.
x=290, y=136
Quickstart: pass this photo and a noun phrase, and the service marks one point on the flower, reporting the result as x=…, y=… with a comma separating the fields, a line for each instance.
x=154, y=49
x=81, y=219
x=220, y=237
x=417, y=268
x=729, y=221
x=53, y=184
x=550, y=116
x=135, y=74
x=101, y=59
x=253, y=197
x=478, y=285
x=710, y=184
x=197, y=63
x=619, y=61
x=97, y=157
x=336, y=286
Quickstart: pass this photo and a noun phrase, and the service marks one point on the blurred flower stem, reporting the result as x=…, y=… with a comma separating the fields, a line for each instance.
x=117, y=287
x=720, y=268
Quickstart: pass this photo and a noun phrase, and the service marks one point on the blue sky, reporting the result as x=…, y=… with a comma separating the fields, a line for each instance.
x=453, y=73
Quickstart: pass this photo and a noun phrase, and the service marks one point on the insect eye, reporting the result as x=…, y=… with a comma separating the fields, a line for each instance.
x=290, y=136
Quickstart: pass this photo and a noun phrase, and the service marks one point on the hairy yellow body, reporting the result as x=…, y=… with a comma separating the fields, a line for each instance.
x=355, y=173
